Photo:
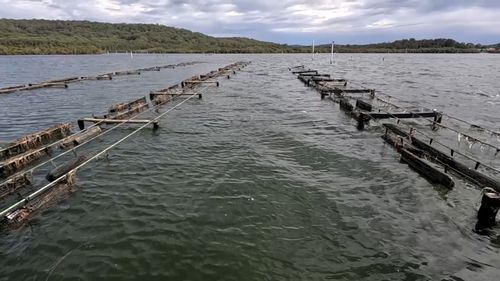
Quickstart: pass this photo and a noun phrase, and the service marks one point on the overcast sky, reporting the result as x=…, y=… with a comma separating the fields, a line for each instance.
x=287, y=21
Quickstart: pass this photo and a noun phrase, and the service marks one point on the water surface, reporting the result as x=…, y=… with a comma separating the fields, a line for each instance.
x=259, y=180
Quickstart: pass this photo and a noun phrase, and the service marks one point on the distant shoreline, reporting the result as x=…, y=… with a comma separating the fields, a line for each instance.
x=56, y=37
x=235, y=53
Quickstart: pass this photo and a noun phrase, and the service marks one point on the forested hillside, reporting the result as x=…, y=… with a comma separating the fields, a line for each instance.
x=77, y=37
x=84, y=37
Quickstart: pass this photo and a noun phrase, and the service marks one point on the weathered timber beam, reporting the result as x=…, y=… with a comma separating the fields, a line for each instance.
x=324, y=79
x=154, y=68
x=202, y=82
x=153, y=94
x=129, y=72
x=81, y=122
x=99, y=77
x=80, y=137
x=426, y=169
x=137, y=102
x=45, y=85
x=312, y=75
x=14, y=164
x=64, y=168
x=448, y=161
x=169, y=94
x=305, y=71
x=15, y=182
x=13, y=87
x=64, y=80
x=353, y=91
x=8, y=91
x=361, y=104
x=380, y=115
x=36, y=140
x=398, y=142
x=345, y=105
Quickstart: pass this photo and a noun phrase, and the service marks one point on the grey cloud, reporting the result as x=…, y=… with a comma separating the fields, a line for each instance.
x=276, y=20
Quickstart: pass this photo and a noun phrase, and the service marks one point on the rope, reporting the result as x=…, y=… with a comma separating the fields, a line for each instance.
x=80, y=145
x=438, y=142
x=65, y=176
x=56, y=181
x=473, y=138
x=445, y=114
x=86, y=78
x=435, y=123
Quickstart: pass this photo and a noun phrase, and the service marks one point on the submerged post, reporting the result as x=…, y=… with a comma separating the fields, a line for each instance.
x=361, y=121
x=490, y=204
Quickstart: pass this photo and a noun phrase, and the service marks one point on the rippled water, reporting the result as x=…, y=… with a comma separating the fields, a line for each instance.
x=259, y=180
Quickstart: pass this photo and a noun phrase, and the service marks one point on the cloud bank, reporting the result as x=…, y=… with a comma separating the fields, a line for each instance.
x=287, y=21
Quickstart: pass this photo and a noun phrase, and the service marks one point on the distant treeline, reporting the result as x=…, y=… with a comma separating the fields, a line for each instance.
x=20, y=37
x=84, y=37
x=440, y=45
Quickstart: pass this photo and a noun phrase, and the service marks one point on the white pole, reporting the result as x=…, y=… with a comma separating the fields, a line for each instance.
x=313, y=51
x=331, y=55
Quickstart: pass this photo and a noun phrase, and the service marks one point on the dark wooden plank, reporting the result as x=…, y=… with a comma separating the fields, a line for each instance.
x=426, y=169
x=381, y=115
x=345, y=105
x=361, y=104
x=64, y=168
x=305, y=71
x=465, y=172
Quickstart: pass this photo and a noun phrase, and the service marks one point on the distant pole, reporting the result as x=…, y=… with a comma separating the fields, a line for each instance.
x=331, y=55
x=313, y=51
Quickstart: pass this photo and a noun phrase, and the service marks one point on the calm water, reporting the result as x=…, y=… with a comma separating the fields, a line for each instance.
x=259, y=180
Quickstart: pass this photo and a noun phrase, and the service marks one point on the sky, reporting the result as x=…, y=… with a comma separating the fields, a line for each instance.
x=287, y=21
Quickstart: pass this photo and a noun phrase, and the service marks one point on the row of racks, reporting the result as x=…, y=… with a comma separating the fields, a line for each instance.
x=30, y=181
x=64, y=83
x=422, y=137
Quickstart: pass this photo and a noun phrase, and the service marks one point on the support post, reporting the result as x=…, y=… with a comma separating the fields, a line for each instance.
x=81, y=124
x=361, y=121
x=486, y=215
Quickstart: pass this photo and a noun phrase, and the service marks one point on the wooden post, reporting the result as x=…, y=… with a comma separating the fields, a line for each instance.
x=361, y=121
x=486, y=215
x=437, y=120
